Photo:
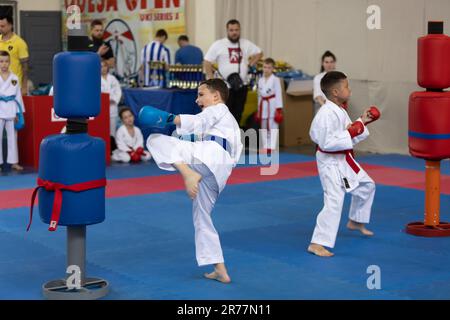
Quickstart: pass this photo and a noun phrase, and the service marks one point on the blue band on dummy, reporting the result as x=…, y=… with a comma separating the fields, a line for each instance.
x=21, y=123
x=428, y=136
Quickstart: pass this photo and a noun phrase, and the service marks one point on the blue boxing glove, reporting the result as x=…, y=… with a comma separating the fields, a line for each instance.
x=155, y=118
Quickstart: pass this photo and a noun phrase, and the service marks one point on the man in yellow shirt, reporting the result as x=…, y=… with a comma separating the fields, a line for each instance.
x=17, y=49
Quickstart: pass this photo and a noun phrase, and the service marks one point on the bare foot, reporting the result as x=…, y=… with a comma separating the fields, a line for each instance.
x=17, y=167
x=219, y=274
x=191, y=181
x=352, y=225
x=319, y=250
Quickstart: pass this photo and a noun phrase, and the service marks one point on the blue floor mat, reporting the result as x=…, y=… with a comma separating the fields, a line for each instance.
x=145, y=247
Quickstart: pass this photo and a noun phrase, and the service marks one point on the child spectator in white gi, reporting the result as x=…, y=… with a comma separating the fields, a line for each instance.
x=270, y=107
x=10, y=104
x=205, y=165
x=129, y=140
x=112, y=86
x=335, y=135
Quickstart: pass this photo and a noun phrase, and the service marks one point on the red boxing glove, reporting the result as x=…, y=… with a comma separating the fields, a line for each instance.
x=134, y=156
x=374, y=113
x=345, y=105
x=257, y=118
x=278, y=115
x=140, y=151
x=355, y=129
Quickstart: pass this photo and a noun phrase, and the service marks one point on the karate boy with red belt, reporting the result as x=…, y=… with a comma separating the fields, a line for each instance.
x=335, y=135
x=270, y=107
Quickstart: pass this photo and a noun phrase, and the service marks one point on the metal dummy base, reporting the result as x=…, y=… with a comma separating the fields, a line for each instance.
x=90, y=288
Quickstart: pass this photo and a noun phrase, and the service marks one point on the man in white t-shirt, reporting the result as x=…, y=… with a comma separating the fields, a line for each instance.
x=233, y=55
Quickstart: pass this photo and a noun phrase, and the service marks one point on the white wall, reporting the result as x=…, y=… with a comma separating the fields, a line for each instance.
x=204, y=33
x=39, y=5
x=381, y=64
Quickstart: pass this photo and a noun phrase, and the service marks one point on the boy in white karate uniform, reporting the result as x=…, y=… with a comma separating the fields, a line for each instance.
x=335, y=135
x=205, y=165
x=129, y=140
x=270, y=107
x=109, y=84
x=10, y=104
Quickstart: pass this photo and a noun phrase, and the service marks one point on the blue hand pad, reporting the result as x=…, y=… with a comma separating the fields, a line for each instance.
x=152, y=117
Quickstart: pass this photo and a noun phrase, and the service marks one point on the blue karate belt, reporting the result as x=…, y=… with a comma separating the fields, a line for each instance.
x=221, y=141
x=20, y=124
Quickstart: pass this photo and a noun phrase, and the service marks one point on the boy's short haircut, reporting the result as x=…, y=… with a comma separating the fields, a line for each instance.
x=330, y=80
x=270, y=61
x=96, y=22
x=217, y=85
x=183, y=38
x=162, y=33
x=123, y=110
x=4, y=54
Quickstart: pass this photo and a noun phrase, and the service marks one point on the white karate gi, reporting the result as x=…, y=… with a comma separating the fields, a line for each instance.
x=209, y=159
x=112, y=86
x=317, y=90
x=8, y=112
x=270, y=98
x=329, y=132
x=125, y=142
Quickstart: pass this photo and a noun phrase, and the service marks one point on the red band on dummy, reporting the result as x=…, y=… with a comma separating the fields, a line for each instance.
x=279, y=115
x=57, y=201
x=356, y=129
x=374, y=113
x=345, y=105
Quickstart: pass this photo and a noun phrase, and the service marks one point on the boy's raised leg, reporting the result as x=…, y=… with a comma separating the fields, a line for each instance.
x=191, y=178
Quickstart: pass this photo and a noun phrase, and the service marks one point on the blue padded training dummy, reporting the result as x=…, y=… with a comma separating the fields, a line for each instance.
x=71, y=180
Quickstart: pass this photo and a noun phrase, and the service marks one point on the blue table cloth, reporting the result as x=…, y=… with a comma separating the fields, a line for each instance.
x=175, y=101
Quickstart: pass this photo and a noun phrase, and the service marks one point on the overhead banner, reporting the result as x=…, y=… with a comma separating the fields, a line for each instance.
x=129, y=25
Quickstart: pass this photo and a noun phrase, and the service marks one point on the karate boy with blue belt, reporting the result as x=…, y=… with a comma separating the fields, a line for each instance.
x=205, y=164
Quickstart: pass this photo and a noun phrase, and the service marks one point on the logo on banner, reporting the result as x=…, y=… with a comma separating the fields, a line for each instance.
x=235, y=55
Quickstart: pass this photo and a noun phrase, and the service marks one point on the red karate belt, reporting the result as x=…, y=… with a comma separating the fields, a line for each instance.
x=57, y=202
x=264, y=99
x=349, y=157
